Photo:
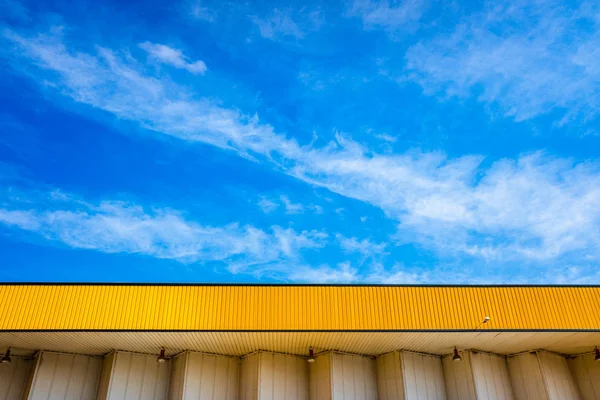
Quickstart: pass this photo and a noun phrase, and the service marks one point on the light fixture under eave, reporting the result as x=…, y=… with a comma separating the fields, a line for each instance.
x=311, y=355
x=162, y=358
x=456, y=356
x=486, y=320
x=6, y=359
x=597, y=356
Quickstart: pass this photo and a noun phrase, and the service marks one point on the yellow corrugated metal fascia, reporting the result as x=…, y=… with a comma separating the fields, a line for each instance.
x=265, y=308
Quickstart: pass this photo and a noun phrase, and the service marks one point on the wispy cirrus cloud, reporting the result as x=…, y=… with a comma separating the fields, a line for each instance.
x=282, y=23
x=525, y=58
x=388, y=14
x=533, y=208
x=290, y=207
x=173, y=57
x=113, y=226
x=365, y=247
x=198, y=10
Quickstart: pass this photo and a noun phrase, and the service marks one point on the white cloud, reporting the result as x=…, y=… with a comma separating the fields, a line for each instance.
x=532, y=208
x=121, y=86
x=365, y=247
x=120, y=227
x=343, y=273
x=279, y=23
x=199, y=11
x=526, y=58
x=267, y=206
x=174, y=57
x=290, y=207
x=283, y=23
x=387, y=14
x=535, y=207
x=386, y=138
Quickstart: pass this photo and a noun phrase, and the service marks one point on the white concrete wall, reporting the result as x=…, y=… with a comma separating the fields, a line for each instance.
x=282, y=377
x=492, y=381
x=132, y=376
x=320, y=377
x=65, y=377
x=336, y=376
x=353, y=377
x=526, y=377
x=423, y=377
x=197, y=376
x=458, y=377
x=559, y=382
x=390, y=379
x=586, y=372
x=14, y=378
x=272, y=376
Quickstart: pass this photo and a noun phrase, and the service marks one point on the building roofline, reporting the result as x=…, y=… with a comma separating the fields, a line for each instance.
x=437, y=285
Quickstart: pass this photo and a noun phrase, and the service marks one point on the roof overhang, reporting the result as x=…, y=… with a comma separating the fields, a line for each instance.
x=238, y=319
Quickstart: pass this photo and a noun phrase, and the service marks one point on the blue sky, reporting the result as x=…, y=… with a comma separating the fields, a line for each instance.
x=354, y=142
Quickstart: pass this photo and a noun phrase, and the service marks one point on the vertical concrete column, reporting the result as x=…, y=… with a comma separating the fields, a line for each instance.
x=477, y=376
x=197, y=376
x=134, y=376
x=423, y=376
x=407, y=375
x=14, y=378
x=541, y=375
x=64, y=377
x=320, y=377
x=586, y=372
x=458, y=376
x=336, y=376
x=557, y=377
x=490, y=373
x=271, y=376
x=390, y=376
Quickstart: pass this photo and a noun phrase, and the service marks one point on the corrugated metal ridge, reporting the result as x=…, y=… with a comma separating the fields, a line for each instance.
x=296, y=307
x=225, y=284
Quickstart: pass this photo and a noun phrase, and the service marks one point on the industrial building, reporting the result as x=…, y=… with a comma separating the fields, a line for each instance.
x=298, y=342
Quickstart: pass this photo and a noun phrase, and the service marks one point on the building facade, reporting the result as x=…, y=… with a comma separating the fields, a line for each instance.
x=304, y=342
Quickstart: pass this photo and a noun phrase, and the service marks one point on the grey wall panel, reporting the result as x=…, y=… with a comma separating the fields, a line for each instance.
x=492, y=381
x=559, y=382
x=60, y=376
x=320, y=378
x=423, y=377
x=14, y=378
x=353, y=377
x=105, y=376
x=390, y=380
x=271, y=376
x=526, y=377
x=177, y=380
x=586, y=372
x=211, y=377
x=282, y=377
x=135, y=377
x=248, y=388
x=458, y=377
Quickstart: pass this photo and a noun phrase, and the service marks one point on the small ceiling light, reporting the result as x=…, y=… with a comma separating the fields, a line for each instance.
x=311, y=355
x=6, y=359
x=456, y=356
x=486, y=320
x=596, y=357
x=161, y=358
